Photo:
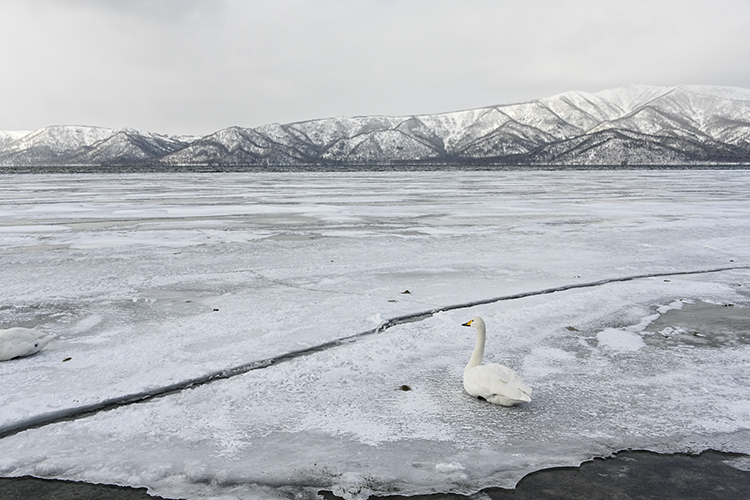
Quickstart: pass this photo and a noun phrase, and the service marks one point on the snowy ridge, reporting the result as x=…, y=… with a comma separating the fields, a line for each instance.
x=636, y=124
x=80, y=145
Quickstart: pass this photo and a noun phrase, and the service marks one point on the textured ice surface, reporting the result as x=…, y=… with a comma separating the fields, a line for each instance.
x=152, y=279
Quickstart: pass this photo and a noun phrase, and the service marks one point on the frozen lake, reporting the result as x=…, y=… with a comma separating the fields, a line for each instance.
x=152, y=279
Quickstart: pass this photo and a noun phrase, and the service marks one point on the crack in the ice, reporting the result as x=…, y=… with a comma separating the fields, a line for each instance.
x=69, y=414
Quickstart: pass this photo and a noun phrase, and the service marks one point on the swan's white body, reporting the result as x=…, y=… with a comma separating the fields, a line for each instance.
x=497, y=384
x=18, y=341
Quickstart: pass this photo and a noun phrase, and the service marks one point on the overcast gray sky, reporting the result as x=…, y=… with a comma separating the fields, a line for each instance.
x=197, y=66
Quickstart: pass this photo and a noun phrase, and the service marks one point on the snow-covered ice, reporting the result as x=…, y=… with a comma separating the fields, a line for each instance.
x=151, y=279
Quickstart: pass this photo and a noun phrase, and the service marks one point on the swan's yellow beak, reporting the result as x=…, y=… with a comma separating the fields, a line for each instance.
x=468, y=323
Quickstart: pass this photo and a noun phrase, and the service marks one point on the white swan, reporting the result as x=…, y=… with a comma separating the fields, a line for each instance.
x=497, y=384
x=18, y=341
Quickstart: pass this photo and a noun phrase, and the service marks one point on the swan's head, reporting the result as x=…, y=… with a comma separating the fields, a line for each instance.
x=43, y=341
x=476, y=322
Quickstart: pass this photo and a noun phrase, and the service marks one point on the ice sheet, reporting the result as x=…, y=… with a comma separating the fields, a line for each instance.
x=152, y=279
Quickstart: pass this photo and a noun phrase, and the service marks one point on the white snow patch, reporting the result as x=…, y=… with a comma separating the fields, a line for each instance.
x=676, y=305
x=621, y=340
x=449, y=467
x=41, y=228
x=86, y=324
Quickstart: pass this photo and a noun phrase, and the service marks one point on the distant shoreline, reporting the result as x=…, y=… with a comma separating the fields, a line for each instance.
x=120, y=169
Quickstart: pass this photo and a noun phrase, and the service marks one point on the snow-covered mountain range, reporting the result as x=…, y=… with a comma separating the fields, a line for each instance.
x=633, y=125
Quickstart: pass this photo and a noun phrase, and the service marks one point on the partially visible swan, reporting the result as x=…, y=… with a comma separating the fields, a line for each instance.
x=18, y=341
x=497, y=384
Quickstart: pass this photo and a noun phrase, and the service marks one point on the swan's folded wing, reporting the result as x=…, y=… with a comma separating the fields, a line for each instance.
x=518, y=382
x=488, y=380
x=15, y=350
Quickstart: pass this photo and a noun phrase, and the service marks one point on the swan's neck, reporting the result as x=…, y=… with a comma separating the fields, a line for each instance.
x=478, y=354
